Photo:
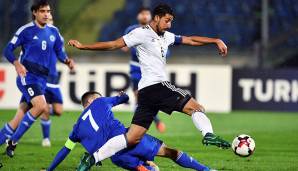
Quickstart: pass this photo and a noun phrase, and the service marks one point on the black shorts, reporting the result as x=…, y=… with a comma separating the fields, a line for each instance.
x=158, y=97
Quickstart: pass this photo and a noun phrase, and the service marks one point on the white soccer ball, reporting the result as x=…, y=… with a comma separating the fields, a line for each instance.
x=243, y=145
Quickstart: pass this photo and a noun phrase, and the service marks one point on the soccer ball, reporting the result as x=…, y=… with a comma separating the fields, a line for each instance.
x=243, y=145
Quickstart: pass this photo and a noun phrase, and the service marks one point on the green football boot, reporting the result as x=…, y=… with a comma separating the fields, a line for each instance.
x=211, y=139
x=87, y=161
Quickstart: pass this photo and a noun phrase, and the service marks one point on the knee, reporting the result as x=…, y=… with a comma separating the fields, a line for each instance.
x=58, y=112
x=193, y=107
x=198, y=107
x=41, y=107
x=132, y=140
x=57, y=109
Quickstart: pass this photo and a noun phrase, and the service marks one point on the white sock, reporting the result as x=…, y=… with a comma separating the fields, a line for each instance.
x=202, y=122
x=111, y=147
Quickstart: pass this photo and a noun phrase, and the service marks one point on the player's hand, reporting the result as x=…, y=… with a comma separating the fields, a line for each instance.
x=75, y=44
x=222, y=47
x=70, y=63
x=20, y=68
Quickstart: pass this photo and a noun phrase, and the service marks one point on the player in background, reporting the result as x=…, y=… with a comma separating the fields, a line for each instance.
x=97, y=124
x=155, y=91
x=38, y=41
x=53, y=97
x=144, y=18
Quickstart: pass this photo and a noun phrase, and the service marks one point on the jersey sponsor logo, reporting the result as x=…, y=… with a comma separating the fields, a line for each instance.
x=2, y=80
x=35, y=38
x=52, y=38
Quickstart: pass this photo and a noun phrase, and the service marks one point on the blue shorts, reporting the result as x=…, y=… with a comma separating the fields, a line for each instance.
x=53, y=94
x=31, y=86
x=131, y=158
x=135, y=78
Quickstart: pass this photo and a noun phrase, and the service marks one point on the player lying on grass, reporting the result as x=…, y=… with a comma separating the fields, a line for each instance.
x=156, y=93
x=96, y=125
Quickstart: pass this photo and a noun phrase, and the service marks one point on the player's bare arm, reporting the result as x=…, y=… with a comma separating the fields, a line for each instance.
x=199, y=41
x=104, y=46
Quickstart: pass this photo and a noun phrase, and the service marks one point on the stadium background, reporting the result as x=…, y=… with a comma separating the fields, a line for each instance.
x=255, y=88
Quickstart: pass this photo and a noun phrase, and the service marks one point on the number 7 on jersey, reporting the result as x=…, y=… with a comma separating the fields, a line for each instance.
x=91, y=119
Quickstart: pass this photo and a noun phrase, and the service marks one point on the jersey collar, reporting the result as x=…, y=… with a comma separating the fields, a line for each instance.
x=156, y=35
x=38, y=26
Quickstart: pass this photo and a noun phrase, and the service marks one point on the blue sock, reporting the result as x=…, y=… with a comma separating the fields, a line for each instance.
x=46, y=126
x=5, y=133
x=188, y=162
x=25, y=124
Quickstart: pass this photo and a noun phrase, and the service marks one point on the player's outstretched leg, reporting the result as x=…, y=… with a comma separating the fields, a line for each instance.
x=39, y=106
x=203, y=124
x=9, y=128
x=181, y=158
x=5, y=133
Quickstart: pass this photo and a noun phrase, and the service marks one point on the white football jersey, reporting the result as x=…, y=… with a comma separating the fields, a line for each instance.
x=151, y=50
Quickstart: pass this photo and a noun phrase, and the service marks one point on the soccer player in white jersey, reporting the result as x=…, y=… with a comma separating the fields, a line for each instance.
x=155, y=91
x=144, y=18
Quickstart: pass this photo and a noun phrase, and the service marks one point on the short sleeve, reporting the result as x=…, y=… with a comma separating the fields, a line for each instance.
x=173, y=39
x=133, y=38
x=73, y=135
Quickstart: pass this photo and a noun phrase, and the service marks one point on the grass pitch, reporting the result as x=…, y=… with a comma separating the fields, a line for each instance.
x=276, y=136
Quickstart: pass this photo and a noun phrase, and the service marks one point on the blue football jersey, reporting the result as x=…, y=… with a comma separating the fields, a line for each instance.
x=38, y=46
x=97, y=124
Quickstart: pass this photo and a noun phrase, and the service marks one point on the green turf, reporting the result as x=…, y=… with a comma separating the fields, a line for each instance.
x=275, y=135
